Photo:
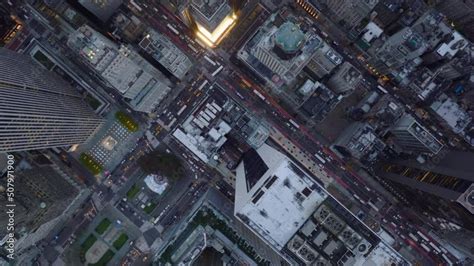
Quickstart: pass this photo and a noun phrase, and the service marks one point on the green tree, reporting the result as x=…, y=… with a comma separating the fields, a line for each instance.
x=158, y=162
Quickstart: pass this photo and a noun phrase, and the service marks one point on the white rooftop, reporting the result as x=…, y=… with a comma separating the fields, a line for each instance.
x=190, y=142
x=261, y=46
x=308, y=87
x=282, y=201
x=380, y=255
x=452, y=113
x=122, y=68
x=203, y=132
x=166, y=53
x=282, y=209
x=373, y=32
x=450, y=49
x=155, y=184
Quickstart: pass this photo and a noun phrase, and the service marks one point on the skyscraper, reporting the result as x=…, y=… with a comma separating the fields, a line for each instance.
x=121, y=68
x=451, y=179
x=49, y=195
x=413, y=137
x=351, y=13
x=38, y=109
x=212, y=20
x=461, y=12
x=346, y=78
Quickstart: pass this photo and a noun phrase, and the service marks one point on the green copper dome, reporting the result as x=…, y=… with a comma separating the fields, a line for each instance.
x=289, y=37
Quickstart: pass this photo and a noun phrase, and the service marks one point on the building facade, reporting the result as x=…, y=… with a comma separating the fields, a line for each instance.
x=166, y=53
x=121, y=68
x=346, y=79
x=461, y=12
x=48, y=195
x=451, y=178
x=39, y=110
x=413, y=137
x=350, y=12
x=308, y=226
x=211, y=20
x=280, y=49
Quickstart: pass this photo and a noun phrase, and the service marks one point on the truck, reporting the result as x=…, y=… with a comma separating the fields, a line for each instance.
x=412, y=236
x=293, y=123
x=320, y=158
x=425, y=247
x=218, y=70
x=435, y=247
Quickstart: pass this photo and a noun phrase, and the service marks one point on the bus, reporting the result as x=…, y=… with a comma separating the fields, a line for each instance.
x=259, y=95
x=200, y=43
x=319, y=158
x=382, y=89
x=135, y=5
x=423, y=236
x=293, y=123
x=172, y=122
x=425, y=247
x=181, y=110
x=202, y=85
x=209, y=60
x=412, y=236
x=175, y=31
x=218, y=70
x=435, y=247
x=372, y=205
x=448, y=261
x=193, y=48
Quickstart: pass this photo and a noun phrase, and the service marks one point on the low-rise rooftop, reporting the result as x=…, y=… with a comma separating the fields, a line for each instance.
x=456, y=118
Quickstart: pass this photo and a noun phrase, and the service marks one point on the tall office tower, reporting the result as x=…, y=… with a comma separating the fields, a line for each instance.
x=48, y=194
x=211, y=20
x=166, y=53
x=298, y=218
x=280, y=49
x=121, y=68
x=404, y=48
x=452, y=178
x=346, y=78
x=461, y=12
x=350, y=12
x=412, y=136
x=39, y=110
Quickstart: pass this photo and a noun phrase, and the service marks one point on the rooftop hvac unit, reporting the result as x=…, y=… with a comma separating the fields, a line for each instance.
x=307, y=254
x=322, y=213
x=295, y=244
x=363, y=247
x=334, y=224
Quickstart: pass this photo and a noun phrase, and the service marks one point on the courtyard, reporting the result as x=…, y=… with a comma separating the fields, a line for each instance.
x=106, y=149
